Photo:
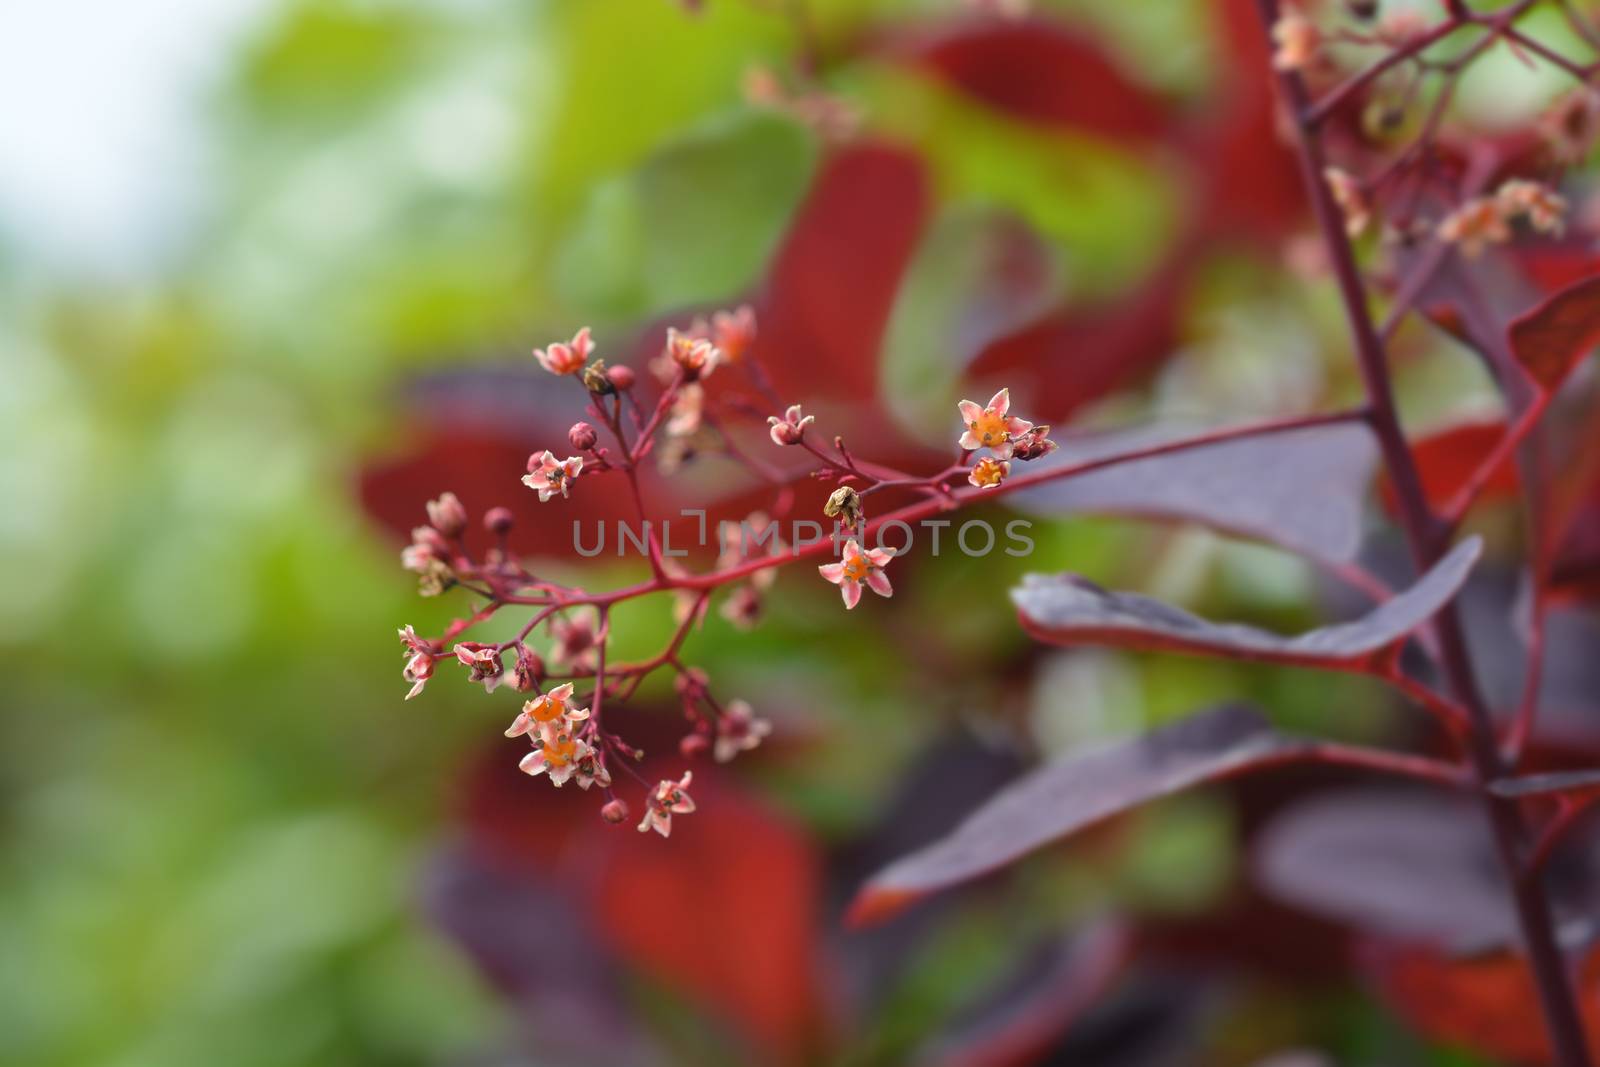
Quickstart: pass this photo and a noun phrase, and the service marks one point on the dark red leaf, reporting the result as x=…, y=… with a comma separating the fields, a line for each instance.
x=1449, y=458
x=1302, y=489
x=725, y=913
x=1550, y=340
x=1069, y=610
x=1045, y=73
x=1081, y=353
x=1489, y=1004
x=834, y=280
x=1070, y=794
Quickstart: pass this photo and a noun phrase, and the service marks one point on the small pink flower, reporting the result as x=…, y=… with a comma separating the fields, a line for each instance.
x=733, y=332
x=1297, y=40
x=743, y=606
x=738, y=731
x=484, y=662
x=857, y=567
x=791, y=428
x=549, y=475
x=428, y=556
x=991, y=427
x=575, y=647
x=694, y=354
x=1351, y=200
x=447, y=515
x=668, y=799
x=556, y=753
x=687, y=409
x=590, y=769
x=545, y=710
x=1545, y=208
x=427, y=548
x=566, y=358
x=1398, y=27
x=419, y=665
x=1476, y=224
x=1570, y=124
x=988, y=472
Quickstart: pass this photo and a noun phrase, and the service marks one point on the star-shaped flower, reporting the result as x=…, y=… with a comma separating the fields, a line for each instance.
x=992, y=427
x=857, y=567
x=789, y=429
x=545, y=710
x=549, y=475
x=738, y=731
x=556, y=752
x=562, y=358
x=668, y=799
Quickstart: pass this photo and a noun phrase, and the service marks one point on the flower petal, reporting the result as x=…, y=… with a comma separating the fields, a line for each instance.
x=834, y=572
x=851, y=591
x=520, y=725
x=880, y=583
x=970, y=442
x=533, y=763
x=970, y=412
x=1000, y=403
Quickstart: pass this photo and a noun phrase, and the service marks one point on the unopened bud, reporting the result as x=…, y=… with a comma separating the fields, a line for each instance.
x=528, y=671
x=621, y=378
x=844, y=505
x=582, y=436
x=447, y=515
x=1033, y=444
x=595, y=380
x=692, y=682
x=498, y=520
x=693, y=745
x=615, y=811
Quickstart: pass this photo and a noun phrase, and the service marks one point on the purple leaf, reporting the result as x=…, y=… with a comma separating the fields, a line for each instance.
x=1391, y=861
x=1068, y=610
x=1301, y=489
x=1021, y=1018
x=1065, y=796
x=1533, y=785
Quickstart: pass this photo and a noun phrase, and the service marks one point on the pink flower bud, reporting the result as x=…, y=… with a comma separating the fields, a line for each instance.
x=582, y=436
x=615, y=811
x=693, y=745
x=447, y=515
x=528, y=671
x=621, y=378
x=498, y=520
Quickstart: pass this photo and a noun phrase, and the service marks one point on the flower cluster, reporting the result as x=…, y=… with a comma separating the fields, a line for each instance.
x=1485, y=220
x=1005, y=436
x=567, y=736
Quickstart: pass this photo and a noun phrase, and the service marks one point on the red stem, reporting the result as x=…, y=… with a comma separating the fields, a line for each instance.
x=1422, y=530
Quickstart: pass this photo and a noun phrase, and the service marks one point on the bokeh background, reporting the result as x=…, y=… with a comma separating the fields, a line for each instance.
x=266, y=269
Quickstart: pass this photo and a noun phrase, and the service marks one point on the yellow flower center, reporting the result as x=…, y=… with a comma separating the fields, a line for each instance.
x=560, y=751
x=547, y=710
x=857, y=568
x=990, y=428
x=988, y=472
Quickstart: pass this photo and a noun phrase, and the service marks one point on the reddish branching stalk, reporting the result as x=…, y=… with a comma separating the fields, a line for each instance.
x=1426, y=533
x=570, y=740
